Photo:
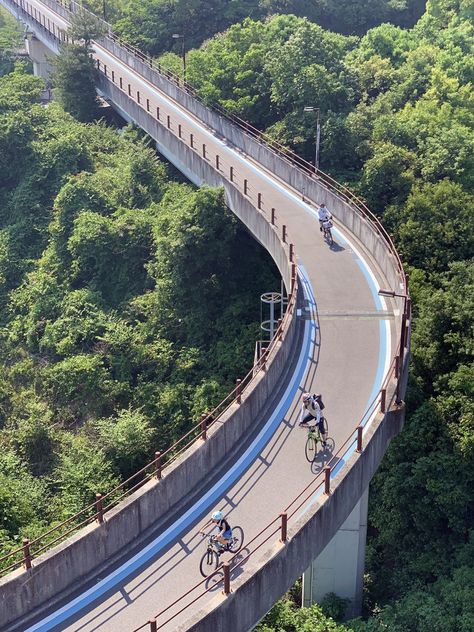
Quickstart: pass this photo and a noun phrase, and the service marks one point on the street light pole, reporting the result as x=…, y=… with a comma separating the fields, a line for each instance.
x=183, y=52
x=310, y=108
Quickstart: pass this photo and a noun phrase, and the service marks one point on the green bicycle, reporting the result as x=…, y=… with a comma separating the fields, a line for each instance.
x=314, y=436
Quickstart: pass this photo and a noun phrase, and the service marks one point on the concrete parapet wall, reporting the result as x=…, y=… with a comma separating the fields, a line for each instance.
x=265, y=579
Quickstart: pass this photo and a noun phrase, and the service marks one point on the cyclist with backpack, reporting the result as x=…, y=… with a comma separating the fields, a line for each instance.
x=311, y=408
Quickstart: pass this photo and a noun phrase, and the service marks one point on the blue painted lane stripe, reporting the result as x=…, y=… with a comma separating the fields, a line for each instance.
x=208, y=500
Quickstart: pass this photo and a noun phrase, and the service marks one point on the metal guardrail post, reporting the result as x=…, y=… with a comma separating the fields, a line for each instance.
x=217, y=163
x=204, y=150
x=180, y=131
x=99, y=508
x=398, y=371
x=226, y=568
x=284, y=527
x=204, y=426
x=383, y=398
x=191, y=140
x=26, y=553
x=168, y=121
x=152, y=623
x=283, y=233
x=157, y=113
x=292, y=252
x=259, y=201
x=231, y=173
x=272, y=221
x=359, y=439
x=238, y=383
x=327, y=480
x=158, y=465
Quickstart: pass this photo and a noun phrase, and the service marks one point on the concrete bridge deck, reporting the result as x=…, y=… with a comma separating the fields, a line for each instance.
x=347, y=337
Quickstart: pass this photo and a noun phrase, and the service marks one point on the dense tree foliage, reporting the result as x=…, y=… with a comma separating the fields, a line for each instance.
x=150, y=24
x=130, y=304
x=74, y=76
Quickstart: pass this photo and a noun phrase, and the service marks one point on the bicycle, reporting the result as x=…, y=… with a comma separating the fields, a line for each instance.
x=327, y=234
x=210, y=560
x=314, y=435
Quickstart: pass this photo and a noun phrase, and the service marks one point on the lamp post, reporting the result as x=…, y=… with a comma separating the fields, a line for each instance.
x=177, y=36
x=310, y=108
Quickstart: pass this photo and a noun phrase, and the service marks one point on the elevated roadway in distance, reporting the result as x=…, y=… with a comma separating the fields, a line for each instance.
x=344, y=341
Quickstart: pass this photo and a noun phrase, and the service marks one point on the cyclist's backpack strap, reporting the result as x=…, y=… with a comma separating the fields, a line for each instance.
x=318, y=397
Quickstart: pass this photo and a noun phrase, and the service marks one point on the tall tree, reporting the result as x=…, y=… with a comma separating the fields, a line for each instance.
x=74, y=76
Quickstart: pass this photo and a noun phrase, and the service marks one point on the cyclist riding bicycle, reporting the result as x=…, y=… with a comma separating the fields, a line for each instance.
x=311, y=415
x=225, y=532
x=323, y=215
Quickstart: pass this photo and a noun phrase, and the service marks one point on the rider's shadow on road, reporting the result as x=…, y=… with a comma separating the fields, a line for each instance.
x=323, y=457
x=335, y=247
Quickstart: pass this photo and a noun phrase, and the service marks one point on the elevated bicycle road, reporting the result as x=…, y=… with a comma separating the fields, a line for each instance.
x=267, y=481
x=348, y=338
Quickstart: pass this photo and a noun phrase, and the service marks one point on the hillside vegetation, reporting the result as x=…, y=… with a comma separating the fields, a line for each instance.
x=129, y=304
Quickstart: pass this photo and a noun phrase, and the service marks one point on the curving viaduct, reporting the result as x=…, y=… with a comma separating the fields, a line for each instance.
x=134, y=563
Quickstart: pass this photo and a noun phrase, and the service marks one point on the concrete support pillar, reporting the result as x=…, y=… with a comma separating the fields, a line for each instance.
x=40, y=55
x=340, y=567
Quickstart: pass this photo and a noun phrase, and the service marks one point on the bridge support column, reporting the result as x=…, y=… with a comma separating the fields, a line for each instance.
x=40, y=55
x=340, y=566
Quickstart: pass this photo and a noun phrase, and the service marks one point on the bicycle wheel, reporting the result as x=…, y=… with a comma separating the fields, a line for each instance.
x=237, y=540
x=310, y=448
x=209, y=562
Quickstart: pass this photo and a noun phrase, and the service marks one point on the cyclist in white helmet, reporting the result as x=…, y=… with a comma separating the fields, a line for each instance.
x=225, y=532
x=311, y=415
